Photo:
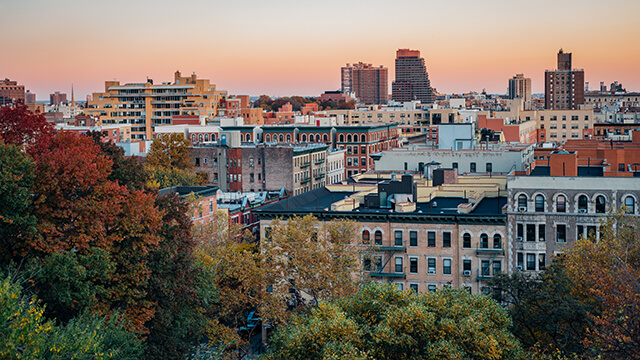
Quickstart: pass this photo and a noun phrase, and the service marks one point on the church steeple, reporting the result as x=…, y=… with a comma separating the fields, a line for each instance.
x=73, y=102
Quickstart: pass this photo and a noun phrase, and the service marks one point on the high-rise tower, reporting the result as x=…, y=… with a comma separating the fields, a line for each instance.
x=563, y=88
x=369, y=83
x=412, y=80
x=520, y=88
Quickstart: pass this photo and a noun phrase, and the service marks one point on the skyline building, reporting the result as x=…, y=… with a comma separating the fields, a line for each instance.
x=564, y=87
x=412, y=79
x=57, y=98
x=368, y=83
x=145, y=105
x=11, y=92
x=520, y=88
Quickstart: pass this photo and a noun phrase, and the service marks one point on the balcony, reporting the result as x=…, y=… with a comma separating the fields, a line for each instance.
x=319, y=161
x=305, y=165
x=484, y=275
x=305, y=180
x=394, y=246
x=401, y=274
x=489, y=251
x=319, y=176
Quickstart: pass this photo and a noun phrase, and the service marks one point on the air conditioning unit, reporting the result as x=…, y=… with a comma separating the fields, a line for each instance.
x=519, y=238
x=582, y=211
x=520, y=268
x=541, y=239
x=432, y=272
x=522, y=208
x=466, y=273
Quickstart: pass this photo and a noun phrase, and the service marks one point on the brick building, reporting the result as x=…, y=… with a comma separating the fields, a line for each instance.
x=11, y=92
x=367, y=82
x=412, y=79
x=564, y=87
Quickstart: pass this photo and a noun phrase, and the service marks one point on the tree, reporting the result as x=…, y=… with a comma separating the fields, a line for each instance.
x=309, y=262
x=179, y=318
x=21, y=127
x=170, y=151
x=607, y=270
x=17, y=224
x=127, y=171
x=549, y=317
x=382, y=322
x=27, y=334
x=163, y=177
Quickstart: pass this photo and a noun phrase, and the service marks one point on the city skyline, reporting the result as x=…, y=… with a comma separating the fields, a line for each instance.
x=286, y=48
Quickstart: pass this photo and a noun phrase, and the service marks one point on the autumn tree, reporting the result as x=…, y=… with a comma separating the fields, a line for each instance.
x=382, y=322
x=170, y=150
x=94, y=235
x=548, y=316
x=607, y=270
x=19, y=126
x=309, y=262
x=128, y=171
x=17, y=224
x=179, y=320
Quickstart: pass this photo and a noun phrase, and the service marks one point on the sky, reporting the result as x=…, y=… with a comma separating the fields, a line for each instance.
x=296, y=47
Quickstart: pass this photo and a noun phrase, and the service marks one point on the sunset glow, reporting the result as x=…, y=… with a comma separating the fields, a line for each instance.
x=292, y=47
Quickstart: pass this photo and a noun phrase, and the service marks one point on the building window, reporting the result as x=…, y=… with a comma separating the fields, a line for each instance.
x=522, y=202
x=497, y=267
x=365, y=237
x=413, y=265
x=398, y=237
x=539, y=203
x=413, y=287
x=472, y=167
x=413, y=238
x=497, y=241
x=541, y=262
x=431, y=266
x=431, y=239
x=446, y=239
x=377, y=262
x=466, y=241
x=454, y=165
x=561, y=204
x=561, y=233
x=542, y=232
x=378, y=237
x=398, y=267
x=485, y=267
x=446, y=266
x=366, y=264
x=489, y=167
x=520, y=261
x=520, y=231
x=582, y=204
x=600, y=205
x=432, y=288
x=630, y=203
x=466, y=266
x=531, y=232
x=531, y=261
x=484, y=241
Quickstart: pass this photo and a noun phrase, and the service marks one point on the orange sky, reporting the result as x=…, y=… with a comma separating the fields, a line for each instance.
x=286, y=47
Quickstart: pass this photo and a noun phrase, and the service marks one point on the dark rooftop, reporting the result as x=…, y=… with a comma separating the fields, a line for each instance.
x=586, y=171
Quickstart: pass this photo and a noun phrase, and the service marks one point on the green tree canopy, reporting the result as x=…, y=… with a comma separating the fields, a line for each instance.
x=382, y=322
x=170, y=151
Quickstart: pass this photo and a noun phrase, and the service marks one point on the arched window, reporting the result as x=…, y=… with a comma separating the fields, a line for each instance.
x=248, y=137
x=317, y=137
x=365, y=237
x=325, y=138
x=349, y=138
x=539, y=203
x=268, y=138
x=304, y=138
x=206, y=137
x=193, y=137
x=630, y=203
x=600, y=205
x=497, y=241
x=341, y=137
x=582, y=204
x=363, y=138
x=561, y=203
x=522, y=202
x=213, y=137
x=378, y=237
x=281, y=137
x=288, y=138
x=200, y=138
x=466, y=240
x=484, y=241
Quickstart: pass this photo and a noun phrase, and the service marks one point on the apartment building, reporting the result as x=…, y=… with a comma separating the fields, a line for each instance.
x=520, y=88
x=203, y=200
x=564, y=87
x=368, y=82
x=559, y=200
x=11, y=92
x=412, y=79
x=554, y=125
x=420, y=235
x=145, y=105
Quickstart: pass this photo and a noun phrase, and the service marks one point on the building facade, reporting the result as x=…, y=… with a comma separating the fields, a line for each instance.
x=145, y=105
x=520, y=88
x=369, y=83
x=564, y=87
x=412, y=79
x=11, y=92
